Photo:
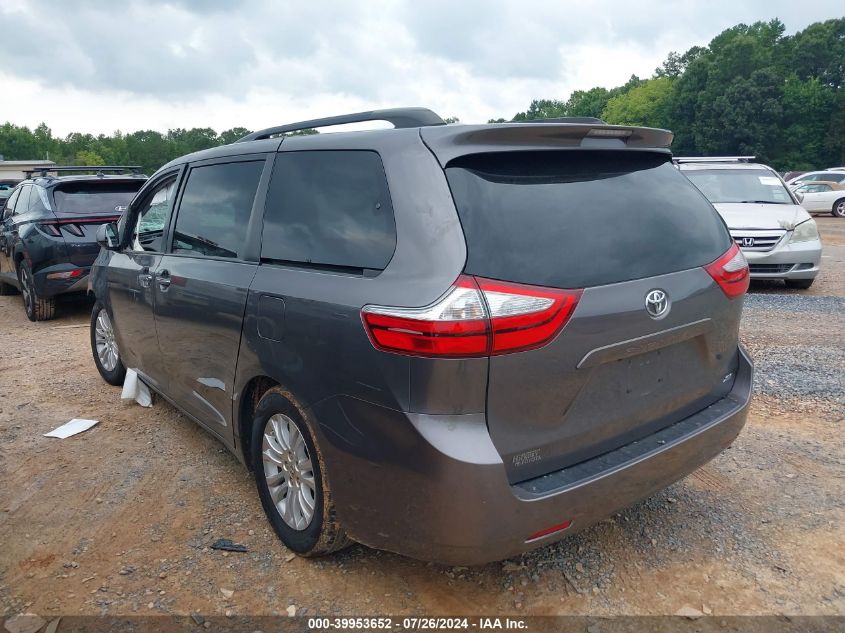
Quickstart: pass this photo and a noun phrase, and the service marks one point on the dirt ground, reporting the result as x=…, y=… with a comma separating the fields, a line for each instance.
x=119, y=520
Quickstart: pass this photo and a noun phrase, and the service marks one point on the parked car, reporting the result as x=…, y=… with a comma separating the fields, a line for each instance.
x=822, y=197
x=453, y=342
x=6, y=187
x=829, y=175
x=792, y=175
x=48, y=238
x=777, y=236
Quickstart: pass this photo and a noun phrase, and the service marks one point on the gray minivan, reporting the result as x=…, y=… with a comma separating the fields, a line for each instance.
x=455, y=342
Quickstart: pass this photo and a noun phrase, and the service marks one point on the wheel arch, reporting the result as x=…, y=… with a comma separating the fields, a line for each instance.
x=252, y=392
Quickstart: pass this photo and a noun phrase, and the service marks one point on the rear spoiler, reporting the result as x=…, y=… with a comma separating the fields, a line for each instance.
x=449, y=142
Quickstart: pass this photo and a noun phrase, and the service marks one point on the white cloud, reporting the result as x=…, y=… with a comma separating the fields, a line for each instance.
x=255, y=63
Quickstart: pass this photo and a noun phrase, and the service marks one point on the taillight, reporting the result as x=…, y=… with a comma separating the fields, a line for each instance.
x=476, y=317
x=525, y=317
x=68, y=274
x=455, y=325
x=50, y=228
x=731, y=272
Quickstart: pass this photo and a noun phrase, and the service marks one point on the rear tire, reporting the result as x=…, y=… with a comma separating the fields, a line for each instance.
x=799, y=284
x=293, y=470
x=838, y=209
x=37, y=308
x=104, y=347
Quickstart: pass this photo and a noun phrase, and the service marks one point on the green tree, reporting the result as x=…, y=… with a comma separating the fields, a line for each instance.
x=87, y=157
x=676, y=64
x=230, y=136
x=646, y=104
x=18, y=143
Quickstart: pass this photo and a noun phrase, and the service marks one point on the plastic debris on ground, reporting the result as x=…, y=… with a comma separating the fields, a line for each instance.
x=77, y=425
x=228, y=546
x=135, y=389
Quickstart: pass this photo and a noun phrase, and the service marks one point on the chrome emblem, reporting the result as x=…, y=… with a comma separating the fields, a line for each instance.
x=657, y=304
x=748, y=241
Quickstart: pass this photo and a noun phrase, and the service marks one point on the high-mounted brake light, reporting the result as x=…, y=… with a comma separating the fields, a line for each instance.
x=476, y=317
x=731, y=272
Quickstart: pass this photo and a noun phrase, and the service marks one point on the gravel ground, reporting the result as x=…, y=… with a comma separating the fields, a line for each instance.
x=804, y=363
x=120, y=519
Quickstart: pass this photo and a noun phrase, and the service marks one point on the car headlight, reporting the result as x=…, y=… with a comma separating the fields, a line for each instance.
x=807, y=231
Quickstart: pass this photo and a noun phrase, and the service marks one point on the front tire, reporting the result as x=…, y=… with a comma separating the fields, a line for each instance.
x=799, y=284
x=104, y=346
x=291, y=478
x=838, y=209
x=37, y=308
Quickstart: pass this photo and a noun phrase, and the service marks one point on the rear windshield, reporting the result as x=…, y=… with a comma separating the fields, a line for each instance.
x=578, y=219
x=753, y=186
x=108, y=198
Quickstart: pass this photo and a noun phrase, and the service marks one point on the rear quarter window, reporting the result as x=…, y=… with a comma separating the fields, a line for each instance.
x=329, y=208
x=581, y=218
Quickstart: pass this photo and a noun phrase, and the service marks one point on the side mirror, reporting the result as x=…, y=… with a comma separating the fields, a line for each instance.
x=107, y=236
x=799, y=195
x=7, y=213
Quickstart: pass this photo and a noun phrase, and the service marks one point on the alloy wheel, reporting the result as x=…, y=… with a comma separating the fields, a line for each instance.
x=289, y=472
x=105, y=342
x=27, y=290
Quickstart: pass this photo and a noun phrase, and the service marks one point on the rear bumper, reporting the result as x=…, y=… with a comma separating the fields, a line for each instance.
x=46, y=286
x=433, y=487
x=786, y=261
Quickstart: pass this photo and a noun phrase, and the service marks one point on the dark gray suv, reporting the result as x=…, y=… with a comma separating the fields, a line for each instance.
x=453, y=342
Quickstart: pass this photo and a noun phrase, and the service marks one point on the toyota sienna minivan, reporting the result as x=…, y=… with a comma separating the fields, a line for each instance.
x=455, y=342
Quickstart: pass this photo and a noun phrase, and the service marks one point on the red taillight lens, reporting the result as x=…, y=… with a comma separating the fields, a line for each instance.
x=525, y=317
x=550, y=530
x=455, y=325
x=50, y=228
x=731, y=272
x=69, y=274
x=476, y=317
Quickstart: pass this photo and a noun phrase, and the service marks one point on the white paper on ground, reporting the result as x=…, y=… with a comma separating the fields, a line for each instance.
x=73, y=427
x=135, y=389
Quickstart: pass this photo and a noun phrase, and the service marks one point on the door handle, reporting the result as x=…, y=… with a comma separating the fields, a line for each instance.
x=145, y=278
x=164, y=280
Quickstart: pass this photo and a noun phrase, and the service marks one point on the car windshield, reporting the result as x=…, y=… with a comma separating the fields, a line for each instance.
x=752, y=186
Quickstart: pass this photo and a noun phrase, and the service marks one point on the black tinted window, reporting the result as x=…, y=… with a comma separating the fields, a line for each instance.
x=329, y=208
x=95, y=198
x=578, y=219
x=215, y=209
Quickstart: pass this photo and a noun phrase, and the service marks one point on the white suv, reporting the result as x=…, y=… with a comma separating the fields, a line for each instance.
x=776, y=234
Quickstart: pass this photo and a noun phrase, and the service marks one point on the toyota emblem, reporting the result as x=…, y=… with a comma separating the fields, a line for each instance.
x=657, y=304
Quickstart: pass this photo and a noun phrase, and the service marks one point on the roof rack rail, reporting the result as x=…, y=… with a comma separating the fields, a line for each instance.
x=713, y=159
x=98, y=169
x=399, y=117
x=566, y=119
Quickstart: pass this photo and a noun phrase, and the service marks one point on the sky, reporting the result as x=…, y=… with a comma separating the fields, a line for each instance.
x=98, y=66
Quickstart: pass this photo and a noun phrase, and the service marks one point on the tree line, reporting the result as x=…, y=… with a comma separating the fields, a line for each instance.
x=751, y=91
